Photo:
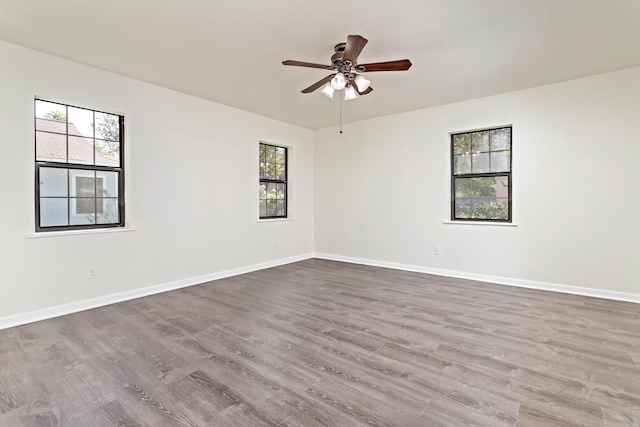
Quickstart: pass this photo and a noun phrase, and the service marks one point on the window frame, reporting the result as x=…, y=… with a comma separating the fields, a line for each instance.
x=508, y=174
x=93, y=170
x=265, y=181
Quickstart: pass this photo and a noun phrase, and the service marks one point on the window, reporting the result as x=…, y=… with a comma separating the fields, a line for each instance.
x=273, y=181
x=481, y=175
x=79, y=168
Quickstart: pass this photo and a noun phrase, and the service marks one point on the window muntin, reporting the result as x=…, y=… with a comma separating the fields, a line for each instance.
x=481, y=175
x=79, y=167
x=273, y=181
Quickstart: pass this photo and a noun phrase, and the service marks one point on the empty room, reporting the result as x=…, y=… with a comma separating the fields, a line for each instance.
x=296, y=213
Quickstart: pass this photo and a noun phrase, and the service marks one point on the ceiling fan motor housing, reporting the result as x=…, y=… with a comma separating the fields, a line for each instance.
x=336, y=58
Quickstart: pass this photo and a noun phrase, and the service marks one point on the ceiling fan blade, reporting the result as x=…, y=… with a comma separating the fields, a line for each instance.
x=354, y=46
x=317, y=84
x=307, y=64
x=364, y=92
x=399, y=65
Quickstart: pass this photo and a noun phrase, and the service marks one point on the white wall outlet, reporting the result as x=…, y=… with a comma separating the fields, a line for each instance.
x=275, y=244
x=438, y=250
x=93, y=273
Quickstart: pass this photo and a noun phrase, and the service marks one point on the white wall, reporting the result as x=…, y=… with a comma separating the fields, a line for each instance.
x=192, y=187
x=382, y=188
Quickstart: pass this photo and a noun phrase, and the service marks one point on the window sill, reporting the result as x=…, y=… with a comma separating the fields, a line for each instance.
x=498, y=224
x=275, y=220
x=35, y=235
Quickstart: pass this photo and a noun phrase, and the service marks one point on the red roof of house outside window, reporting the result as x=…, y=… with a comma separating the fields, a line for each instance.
x=51, y=144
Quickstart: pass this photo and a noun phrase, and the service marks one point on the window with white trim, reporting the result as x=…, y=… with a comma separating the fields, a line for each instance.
x=273, y=181
x=481, y=175
x=79, y=167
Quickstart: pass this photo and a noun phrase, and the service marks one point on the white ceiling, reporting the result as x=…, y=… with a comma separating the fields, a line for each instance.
x=230, y=52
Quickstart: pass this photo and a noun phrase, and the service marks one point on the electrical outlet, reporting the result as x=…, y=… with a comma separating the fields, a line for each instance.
x=93, y=273
x=438, y=250
x=275, y=244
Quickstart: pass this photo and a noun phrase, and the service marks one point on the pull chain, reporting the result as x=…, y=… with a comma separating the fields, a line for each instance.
x=340, y=114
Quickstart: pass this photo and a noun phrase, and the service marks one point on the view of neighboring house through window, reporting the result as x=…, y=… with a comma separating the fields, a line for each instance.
x=273, y=181
x=79, y=167
x=481, y=175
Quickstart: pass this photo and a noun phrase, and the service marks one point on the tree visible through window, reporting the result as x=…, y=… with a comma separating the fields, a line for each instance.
x=273, y=181
x=79, y=167
x=481, y=175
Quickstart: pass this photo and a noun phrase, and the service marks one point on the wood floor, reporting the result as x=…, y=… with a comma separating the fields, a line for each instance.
x=323, y=343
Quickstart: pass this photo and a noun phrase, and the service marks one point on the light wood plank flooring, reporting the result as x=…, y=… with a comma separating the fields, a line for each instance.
x=323, y=343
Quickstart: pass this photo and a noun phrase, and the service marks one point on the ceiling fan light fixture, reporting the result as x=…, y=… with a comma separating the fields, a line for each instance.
x=328, y=90
x=362, y=83
x=338, y=82
x=350, y=93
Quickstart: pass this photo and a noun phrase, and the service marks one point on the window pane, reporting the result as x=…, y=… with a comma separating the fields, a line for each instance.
x=280, y=155
x=272, y=208
x=271, y=154
x=53, y=182
x=502, y=187
x=53, y=212
x=462, y=208
x=51, y=147
x=461, y=164
x=80, y=122
x=108, y=184
x=463, y=187
x=108, y=211
x=462, y=144
x=271, y=191
x=484, y=187
x=263, y=153
x=80, y=150
x=500, y=209
x=84, y=184
x=107, y=153
x=480, y=163
x=107, y=127
x=50, y=116
x=481, y=208
x=281, y=191
x=480, y=142
x=83, y=211
x=500, y=139
x=263, y=208
x=500, y=161
x=268, y=171
x=85, y=206
x=281, y=207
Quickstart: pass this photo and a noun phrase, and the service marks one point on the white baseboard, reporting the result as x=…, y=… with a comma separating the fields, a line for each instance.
x=74, y=307
x=567, y=289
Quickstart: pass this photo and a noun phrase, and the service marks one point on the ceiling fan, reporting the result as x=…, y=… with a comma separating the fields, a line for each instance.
x=347, y=72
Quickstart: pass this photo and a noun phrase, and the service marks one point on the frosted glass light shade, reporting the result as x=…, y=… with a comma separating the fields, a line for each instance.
x=327, y=90
x=350, y=93
x=338, y=82
x=362, y=83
